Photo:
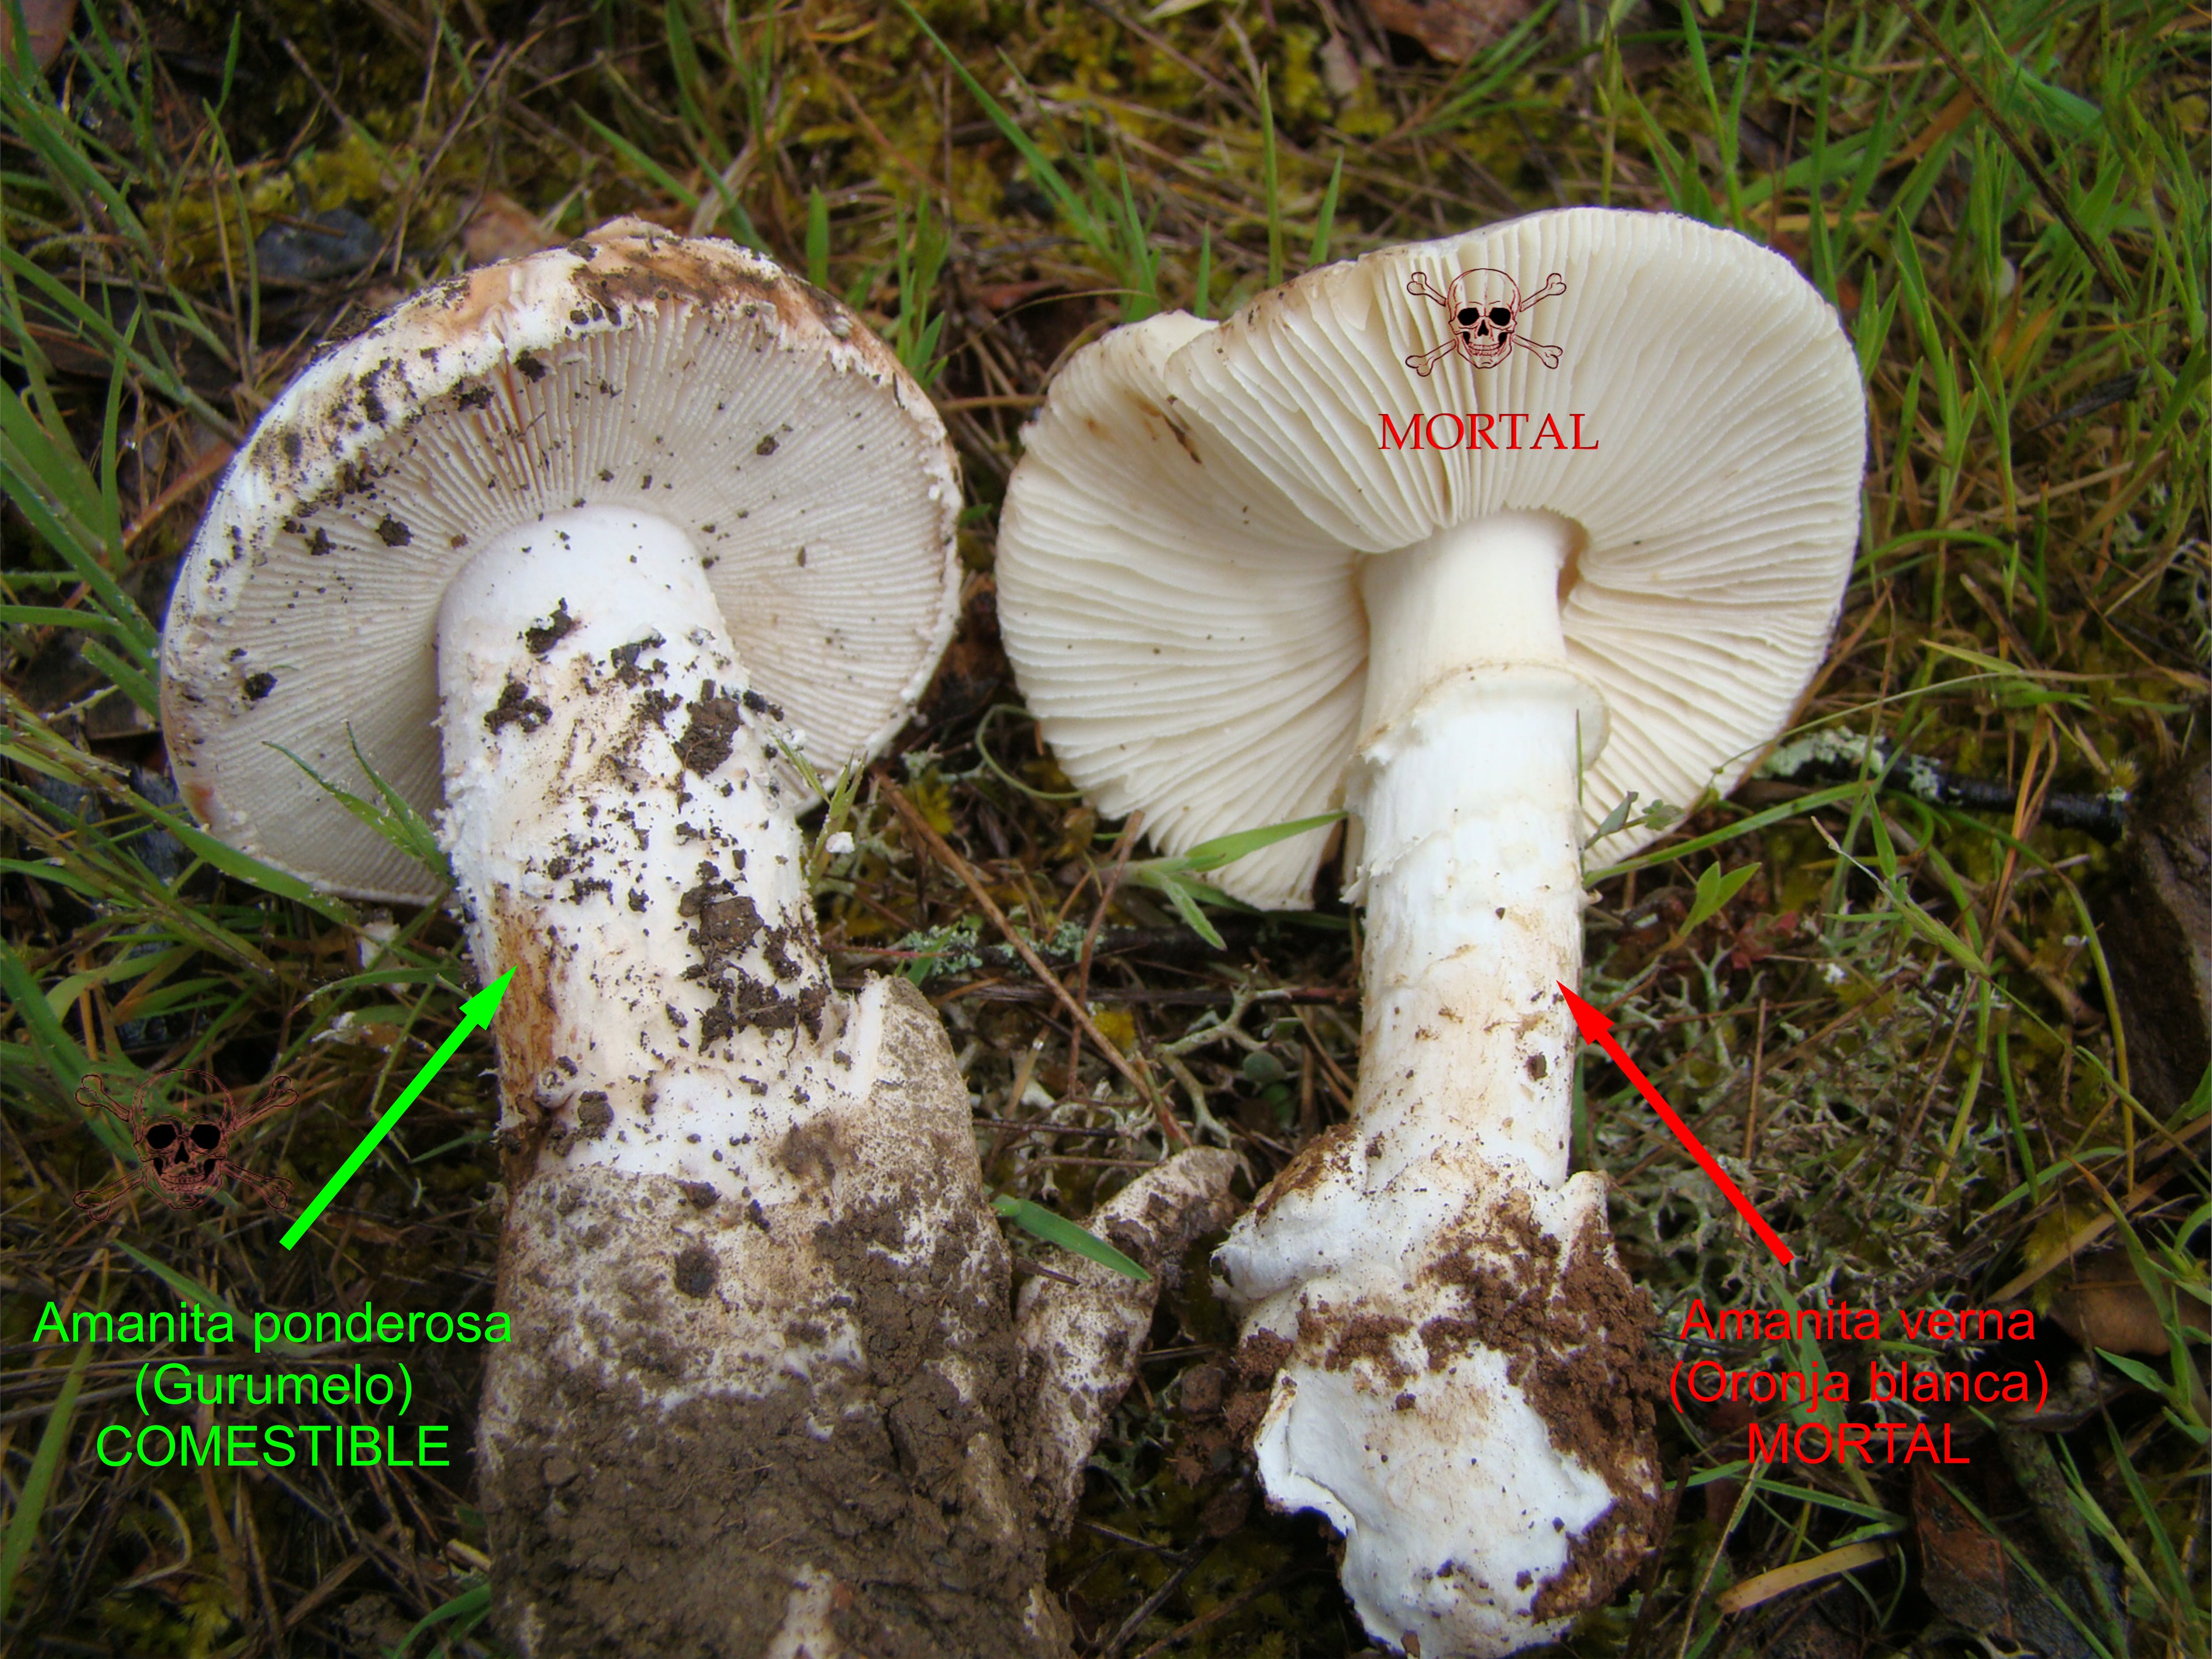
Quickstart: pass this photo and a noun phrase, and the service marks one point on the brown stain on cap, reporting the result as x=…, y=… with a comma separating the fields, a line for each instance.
x=462, y=305
x=457, y=354
x=632, y=270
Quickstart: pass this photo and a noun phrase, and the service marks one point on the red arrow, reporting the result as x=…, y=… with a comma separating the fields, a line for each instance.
x=1597, y=1029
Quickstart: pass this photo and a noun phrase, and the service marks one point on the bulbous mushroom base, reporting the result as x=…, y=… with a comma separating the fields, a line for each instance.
x=768, y=1397
x=1466, y=1395
x=732, y=1429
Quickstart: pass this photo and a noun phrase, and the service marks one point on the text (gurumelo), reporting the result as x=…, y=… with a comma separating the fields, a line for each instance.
x=198, y=1385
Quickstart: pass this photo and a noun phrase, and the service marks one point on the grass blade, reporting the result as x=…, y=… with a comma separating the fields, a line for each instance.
x=1042, y=173
x=817, y=237
x=1270, y=184
x=1318, y=254
x=464, y=1612
x=393, y=815
x=38, y=1485
x=1036, y=1220
x=1227, y=849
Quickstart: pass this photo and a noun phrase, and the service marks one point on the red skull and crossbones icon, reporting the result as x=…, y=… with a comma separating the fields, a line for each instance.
x=1486, y=308
x=181, y=1159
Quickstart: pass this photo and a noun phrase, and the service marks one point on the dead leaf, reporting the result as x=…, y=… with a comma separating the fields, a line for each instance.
x=2105, y=1306
x=1005, y=296
x=48, y=22
x=1766, y=1587
x=1974, y=1583
x=2157, y=928
x=503, y=228
x=1453, y=30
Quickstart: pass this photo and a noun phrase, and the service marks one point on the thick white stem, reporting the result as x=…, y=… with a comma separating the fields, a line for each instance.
x=1456, y=1355
x=763, y=1387
x=1465, y=789
x=613, y=818
x=1473, y=599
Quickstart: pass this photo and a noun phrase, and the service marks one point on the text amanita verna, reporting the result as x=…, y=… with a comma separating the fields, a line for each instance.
x=1908, y=1381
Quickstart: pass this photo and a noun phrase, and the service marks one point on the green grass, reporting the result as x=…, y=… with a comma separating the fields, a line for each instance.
x=1895, y=1020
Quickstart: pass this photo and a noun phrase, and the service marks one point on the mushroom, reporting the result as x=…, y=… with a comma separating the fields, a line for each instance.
x=549, y=550
x=1347, y=548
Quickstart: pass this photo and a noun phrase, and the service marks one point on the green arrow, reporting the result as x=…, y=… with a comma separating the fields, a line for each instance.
x=476, y=1013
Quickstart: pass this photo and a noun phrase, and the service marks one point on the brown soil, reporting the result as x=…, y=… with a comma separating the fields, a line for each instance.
x=1600, y=1558
x=1372, y=1337
x=729, y=921
x=1574, y=1338
x=516, y=706
x=556, y=627
x=711, y=733
x=1225, y=1410
x=1575, y=1344
x=1329, y=1149
x=651, y=1492
x=625, y=1528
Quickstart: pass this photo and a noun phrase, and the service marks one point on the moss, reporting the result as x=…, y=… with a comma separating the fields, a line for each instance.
x=1299, y=94
x=346, y=173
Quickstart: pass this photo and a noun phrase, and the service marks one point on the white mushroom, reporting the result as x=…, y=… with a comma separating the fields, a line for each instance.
x=1078, y=1334
x=1241, y=582
x=685, y=385
x=552, y=547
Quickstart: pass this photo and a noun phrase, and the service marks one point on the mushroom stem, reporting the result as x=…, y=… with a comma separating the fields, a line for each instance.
x=1457, y=1355
x=763, y=1384
x=617, y=830
x=1464, y=786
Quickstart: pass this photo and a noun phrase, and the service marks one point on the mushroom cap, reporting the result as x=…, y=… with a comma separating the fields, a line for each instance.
x=1177, y=558
x=633, y=369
